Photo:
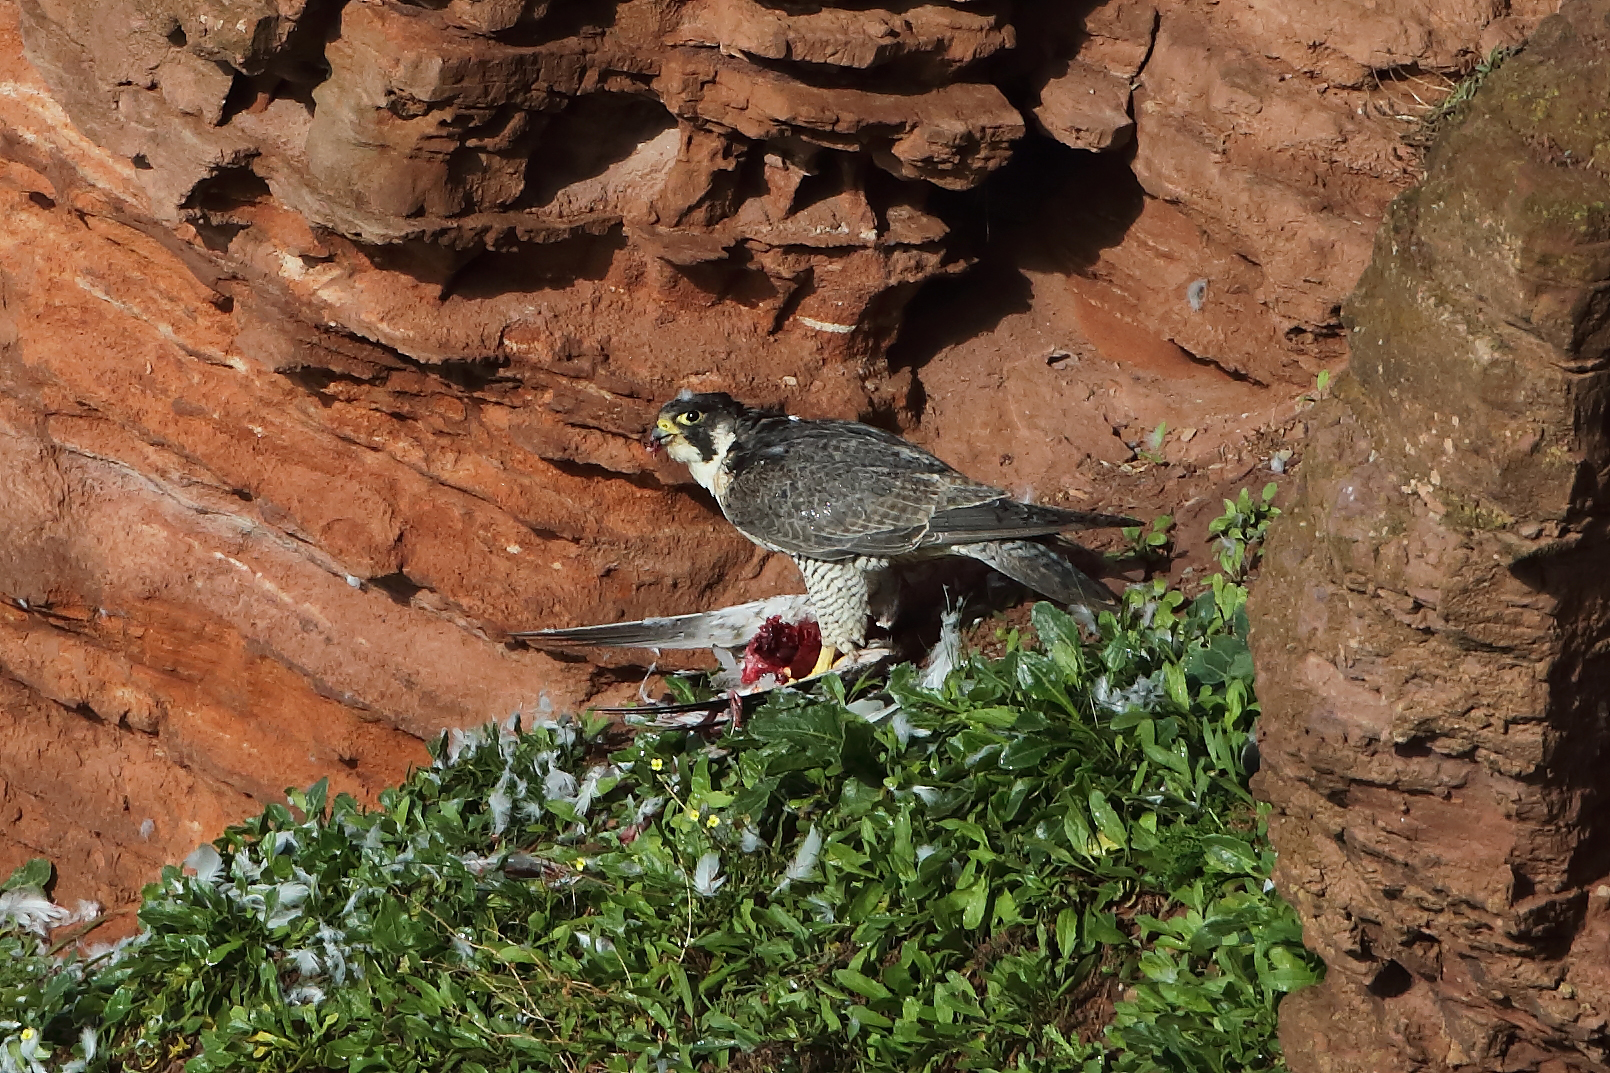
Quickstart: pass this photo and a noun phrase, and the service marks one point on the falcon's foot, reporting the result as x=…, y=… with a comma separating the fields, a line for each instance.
x=824, y=661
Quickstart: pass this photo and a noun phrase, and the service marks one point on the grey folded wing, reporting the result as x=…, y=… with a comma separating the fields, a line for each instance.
x=728, y=627
x=1043, y=570
x=881, y=513
x=1007, y=519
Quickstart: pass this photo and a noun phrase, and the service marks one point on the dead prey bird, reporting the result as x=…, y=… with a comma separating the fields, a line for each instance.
x=845, y=500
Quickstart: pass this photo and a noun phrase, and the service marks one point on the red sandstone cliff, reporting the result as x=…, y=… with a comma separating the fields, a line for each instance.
x=328, y=329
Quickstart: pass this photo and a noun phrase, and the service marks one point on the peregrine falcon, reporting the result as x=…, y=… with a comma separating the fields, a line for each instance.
x=845, y=500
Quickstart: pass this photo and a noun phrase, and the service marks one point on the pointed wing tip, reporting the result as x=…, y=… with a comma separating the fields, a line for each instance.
x=611, y=636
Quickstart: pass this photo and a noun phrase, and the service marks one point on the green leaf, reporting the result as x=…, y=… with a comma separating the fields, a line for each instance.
x=1287, y=971
x=36, y=873
x=817, y=731
x=862, y=985
x=1107, y=820
x=1068, y=932
x=973, y=902
x=1025, y=753
x=1226, y=853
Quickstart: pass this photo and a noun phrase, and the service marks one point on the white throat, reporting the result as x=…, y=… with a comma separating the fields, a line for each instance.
x=712, y=475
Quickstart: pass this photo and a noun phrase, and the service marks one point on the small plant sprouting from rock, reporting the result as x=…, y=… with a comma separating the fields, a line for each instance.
x=1151, y=449
x=1241, y=529
x=1467, y=86
x=1321, y=387
x=1148, y=544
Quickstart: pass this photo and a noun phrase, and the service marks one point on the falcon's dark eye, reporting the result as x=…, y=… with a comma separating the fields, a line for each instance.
x=692, y=417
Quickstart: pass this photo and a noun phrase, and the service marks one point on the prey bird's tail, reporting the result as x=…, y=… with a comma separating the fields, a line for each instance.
x=729, y=627
x=1042, y=570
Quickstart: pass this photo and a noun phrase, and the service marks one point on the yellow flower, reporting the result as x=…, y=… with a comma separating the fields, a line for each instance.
x=714, y=821
x=694, y=813
x=27, y=1034
x=580, y=863
x=656, y=764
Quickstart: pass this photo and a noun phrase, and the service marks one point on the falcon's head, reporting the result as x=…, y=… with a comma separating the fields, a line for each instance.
x=696, y=430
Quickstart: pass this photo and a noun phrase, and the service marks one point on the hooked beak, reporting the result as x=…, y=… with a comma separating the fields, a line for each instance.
x=663, y=430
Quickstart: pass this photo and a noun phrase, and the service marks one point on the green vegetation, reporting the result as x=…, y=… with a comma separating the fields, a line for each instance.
x=1148, y=544
x=1467, y=86
x=925, y=877
x=1241, y=529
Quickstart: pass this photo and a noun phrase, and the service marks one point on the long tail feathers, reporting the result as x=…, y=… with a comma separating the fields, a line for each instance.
x=728, y=627
x=1042, y=570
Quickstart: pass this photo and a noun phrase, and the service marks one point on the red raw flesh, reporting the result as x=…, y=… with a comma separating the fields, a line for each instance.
x=778, y=646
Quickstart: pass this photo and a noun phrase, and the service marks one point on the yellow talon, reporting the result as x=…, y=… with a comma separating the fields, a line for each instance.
x=824, y=661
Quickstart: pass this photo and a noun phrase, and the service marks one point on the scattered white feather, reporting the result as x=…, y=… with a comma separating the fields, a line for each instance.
x=826, y=912
x=559, y=785
x=870, y=710
x=207, y=864
x=706, y=875
x=306, y=961
x=147, y=828
x=1196, y=294
x=288, y=905
x=903, y=730
x=647, y=809
x=306, y=995
x=1085, y=617
x=1144, y=694
x=594, y=944
x=501, y=803
x=458, y=740
x=947, y=651
x=805, y=858
x=28, y=908
x=926, y=794
x=589, y=786
x=750, y=841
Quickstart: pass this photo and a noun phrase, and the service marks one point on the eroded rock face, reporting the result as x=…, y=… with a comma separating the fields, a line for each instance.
x=1430, y=624
x=328, y=330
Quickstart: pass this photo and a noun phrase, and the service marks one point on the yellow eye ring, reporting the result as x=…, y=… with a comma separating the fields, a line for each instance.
x=692, y=417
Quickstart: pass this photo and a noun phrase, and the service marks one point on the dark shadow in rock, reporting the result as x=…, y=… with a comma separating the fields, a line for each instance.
x=215, y=198
x=398, y=587
x=565, y=18
x=1390, y=981
x=536, y=266
x=1579, y=681
x=1050, y=208
x=594, y=133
